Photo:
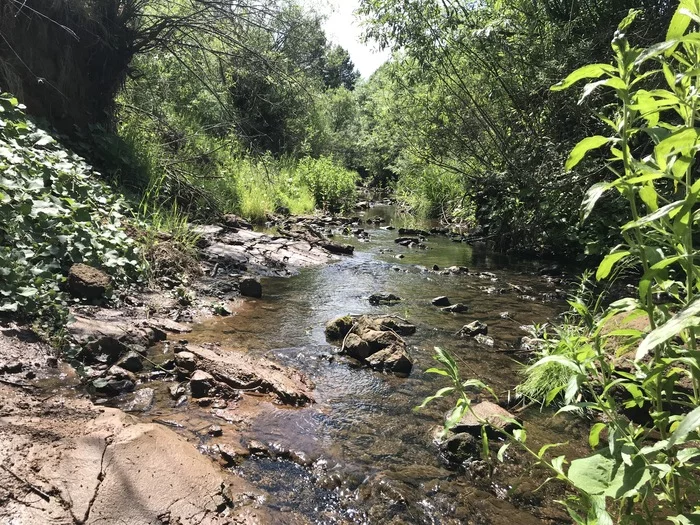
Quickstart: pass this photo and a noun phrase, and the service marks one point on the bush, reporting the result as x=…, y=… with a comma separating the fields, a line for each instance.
x=434, y=192
x=546, y=380
x=267, y=185
x=53, y=213
x=332, y=186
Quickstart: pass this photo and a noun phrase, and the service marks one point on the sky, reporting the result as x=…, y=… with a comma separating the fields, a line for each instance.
x=343, y=28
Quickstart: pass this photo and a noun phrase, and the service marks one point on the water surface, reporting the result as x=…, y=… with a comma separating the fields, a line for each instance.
x=375, y=461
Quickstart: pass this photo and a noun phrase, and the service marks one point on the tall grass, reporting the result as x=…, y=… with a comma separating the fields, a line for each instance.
x=432, y=191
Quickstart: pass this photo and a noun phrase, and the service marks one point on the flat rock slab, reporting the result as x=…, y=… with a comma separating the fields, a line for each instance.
x=259, y=253
x=97, y=466
x=114, y=324
x=486, y=412
x=242, y=372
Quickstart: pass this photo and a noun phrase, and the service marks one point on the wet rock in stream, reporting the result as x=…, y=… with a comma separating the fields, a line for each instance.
x=250, y=287
x=374, y=341
x=132, y=362
x=457, y=308
x=407, y=241
x=473, y=329
x=459, y=447
x=226, y=373
x=495, y=418
x=140, y=401
x=383, y=298
x=201, y=383
x=441, y=301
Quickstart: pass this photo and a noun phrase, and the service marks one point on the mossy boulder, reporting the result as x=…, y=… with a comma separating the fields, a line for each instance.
x=337, y=329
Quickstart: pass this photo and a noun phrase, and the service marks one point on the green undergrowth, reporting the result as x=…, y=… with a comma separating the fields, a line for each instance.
x=202, y=176
x=268, y=185
x=433, y=192
x=54, y=212
x=545, y=382
x=633, y=365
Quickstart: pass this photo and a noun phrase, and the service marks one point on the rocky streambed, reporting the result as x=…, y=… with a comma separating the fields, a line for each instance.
x=245, y=405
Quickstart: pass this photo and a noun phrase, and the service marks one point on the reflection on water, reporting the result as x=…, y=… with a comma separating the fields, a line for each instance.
x=374, y=451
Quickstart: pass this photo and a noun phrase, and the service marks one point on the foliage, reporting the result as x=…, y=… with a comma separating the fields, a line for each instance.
x=53, y=212
x=432, y=191
x=642, y=469
x=543, y=383
x=270, y=185
x=467, y=91
x=332, y=186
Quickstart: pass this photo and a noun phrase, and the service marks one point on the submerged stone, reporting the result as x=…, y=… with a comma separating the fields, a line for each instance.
x=383, y=298
x=201, y=383
x=457, y=308
x=131, y=362
x=338, y=328
x=250, y=287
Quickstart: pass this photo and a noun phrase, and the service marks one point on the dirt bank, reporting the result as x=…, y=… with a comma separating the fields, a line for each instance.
x=66, y=459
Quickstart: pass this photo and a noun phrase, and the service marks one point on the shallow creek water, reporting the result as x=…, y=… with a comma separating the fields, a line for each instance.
x=373, y=456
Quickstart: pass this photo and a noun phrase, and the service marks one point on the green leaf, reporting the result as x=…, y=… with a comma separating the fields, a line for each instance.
x=608, y=263
x=594, y=435
x=45, y=141
x=439, y=394
x=589, y=71
x=683, y=142
x=679, y=23
x=593, y=474
x=629, y=479
x=627, y=21
x=594, y=193
x=686, y=318
x=654, y=51
x=438, y=371
x=558, y=359
x=658, y=214
x=613, y=82
x=583, y=147
x=649, y=196
x=690, y=422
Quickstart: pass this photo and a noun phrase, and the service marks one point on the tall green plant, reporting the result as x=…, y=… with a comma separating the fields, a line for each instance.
x=643, y=470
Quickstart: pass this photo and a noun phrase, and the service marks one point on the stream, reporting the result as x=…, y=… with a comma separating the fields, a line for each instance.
x=368, y=457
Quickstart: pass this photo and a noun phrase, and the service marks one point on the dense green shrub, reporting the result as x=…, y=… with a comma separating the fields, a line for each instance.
x=269, y=185
x=53, y=212
x=332, y=186
x=433, y=191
